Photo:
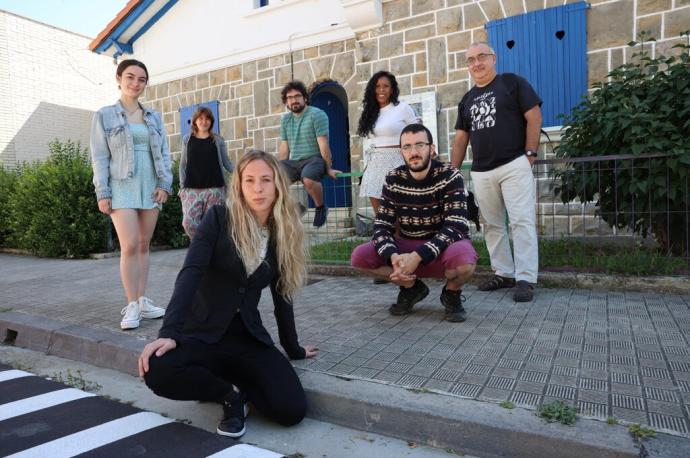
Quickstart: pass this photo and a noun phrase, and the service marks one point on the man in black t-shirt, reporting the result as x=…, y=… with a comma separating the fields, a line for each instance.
x=501, y=118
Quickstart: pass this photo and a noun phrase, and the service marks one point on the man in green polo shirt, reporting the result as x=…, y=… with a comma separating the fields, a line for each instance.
x=304, y=150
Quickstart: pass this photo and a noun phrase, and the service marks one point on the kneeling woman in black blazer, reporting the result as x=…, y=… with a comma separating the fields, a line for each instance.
x=212, y=345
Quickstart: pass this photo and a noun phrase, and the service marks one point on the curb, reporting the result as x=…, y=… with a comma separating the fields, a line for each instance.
x=653, y=284
x=451, y=423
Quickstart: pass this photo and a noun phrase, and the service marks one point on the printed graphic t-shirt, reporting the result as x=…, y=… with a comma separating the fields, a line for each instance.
x=493, y=115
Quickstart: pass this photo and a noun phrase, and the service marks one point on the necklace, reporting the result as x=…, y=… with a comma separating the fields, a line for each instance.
x=131, y=112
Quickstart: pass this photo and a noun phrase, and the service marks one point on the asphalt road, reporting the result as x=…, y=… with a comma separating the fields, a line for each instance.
x=41, y=417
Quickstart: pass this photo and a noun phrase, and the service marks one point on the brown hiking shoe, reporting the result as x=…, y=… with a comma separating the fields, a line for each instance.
x=495, y=282
x=523, y=291
x=408, y=297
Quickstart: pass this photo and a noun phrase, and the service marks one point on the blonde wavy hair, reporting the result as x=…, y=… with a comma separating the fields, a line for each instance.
x=284, y=226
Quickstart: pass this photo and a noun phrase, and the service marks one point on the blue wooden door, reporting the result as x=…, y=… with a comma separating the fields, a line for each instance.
x=548, y=48
x=338, y=192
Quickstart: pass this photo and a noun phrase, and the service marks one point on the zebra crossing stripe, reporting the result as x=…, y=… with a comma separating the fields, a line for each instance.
x=94, y=437
x=245, y=451
x=13, y=374
x=42, y=401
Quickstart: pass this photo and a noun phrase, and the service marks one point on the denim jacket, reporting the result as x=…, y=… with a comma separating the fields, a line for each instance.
x=223, y=160
x=112, y=149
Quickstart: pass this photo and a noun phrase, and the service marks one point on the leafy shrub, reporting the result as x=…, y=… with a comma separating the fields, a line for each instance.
x=53, y=206
x=169, y=230
x=8, y=182
x=645, y=108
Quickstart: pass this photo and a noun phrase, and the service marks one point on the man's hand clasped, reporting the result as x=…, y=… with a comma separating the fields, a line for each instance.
x=404, y=267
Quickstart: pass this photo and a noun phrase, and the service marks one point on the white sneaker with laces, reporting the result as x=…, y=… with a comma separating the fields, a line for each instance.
x=131, y=316
x=148, y=310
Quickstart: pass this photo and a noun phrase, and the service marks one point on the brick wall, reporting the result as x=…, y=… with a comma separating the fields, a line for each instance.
x=50, y=86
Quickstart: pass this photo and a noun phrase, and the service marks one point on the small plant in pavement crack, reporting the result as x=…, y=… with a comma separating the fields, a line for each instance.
x=558, y=411
x=507, y=405
x=76, y=380
x=640, y=432
x=612, y=421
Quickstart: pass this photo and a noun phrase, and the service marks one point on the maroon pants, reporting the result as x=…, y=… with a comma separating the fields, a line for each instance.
x=457, y=254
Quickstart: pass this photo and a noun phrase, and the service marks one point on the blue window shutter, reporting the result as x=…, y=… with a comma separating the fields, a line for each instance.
x=549, y=49
x=187, y=112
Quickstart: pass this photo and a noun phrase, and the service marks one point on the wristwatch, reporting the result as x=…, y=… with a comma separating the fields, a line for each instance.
x=531, y=153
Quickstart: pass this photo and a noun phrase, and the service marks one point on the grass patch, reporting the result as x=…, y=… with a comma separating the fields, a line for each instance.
x=563, y=255
x=507, y=405
x=76, y=380
x=558, y=411
x=612, y=421
x=640, y=432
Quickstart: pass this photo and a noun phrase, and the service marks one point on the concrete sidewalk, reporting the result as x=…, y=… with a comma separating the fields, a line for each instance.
x=610, y=354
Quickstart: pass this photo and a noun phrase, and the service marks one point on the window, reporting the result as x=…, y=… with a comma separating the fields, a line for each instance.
x=186, y=117
x=260, y=3
x=549, y=49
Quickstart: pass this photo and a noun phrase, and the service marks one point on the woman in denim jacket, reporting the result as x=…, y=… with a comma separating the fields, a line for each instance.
x=133, y=179
x=202, y=181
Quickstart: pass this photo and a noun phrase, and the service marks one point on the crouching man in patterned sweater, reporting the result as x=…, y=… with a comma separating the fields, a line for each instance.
x=427, y=200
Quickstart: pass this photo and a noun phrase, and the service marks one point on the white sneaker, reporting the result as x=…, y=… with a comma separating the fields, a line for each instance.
x=148, y=310
x=131, y=316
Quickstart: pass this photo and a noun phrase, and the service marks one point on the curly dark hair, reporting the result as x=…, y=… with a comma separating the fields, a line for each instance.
x=296, y=85
x=370, y=107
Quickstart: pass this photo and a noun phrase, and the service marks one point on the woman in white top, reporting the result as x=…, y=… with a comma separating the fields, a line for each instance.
x=383, y=118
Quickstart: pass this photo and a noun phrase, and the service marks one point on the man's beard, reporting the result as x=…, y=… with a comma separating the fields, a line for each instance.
x=421, y=167
x=297, y=110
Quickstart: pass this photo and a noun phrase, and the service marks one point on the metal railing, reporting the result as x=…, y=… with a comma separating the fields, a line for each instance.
x=586, y=221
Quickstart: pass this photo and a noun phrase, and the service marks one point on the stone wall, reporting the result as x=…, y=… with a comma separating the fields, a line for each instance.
x=422, y=42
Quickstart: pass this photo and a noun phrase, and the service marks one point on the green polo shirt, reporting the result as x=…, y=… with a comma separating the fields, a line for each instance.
x=301, y=131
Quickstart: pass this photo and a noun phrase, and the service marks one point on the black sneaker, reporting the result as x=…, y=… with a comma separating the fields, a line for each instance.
x=495, y=282
x=320, y=215
x=524, y=291
x=234, y=413
x=408, y=297
x=452, y=301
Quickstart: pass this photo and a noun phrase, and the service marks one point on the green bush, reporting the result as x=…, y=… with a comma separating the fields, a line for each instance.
x=8, y=182
x=53, y=206
x=169, y=230
x=645, y=108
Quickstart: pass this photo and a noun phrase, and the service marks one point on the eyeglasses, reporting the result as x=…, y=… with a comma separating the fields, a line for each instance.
x=419, y=147
x=295, y=97
x=480, y=58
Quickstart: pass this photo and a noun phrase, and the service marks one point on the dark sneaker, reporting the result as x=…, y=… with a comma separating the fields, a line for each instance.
x=524, y=291
x=320, y=216
x=408, y=297
x=452, y=301
x=234, y=413
x=495, y=282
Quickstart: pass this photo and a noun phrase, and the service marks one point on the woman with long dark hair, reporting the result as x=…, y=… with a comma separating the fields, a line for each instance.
x=213, y=345
x=202, y=162
x=133, y=179
x=383, y=118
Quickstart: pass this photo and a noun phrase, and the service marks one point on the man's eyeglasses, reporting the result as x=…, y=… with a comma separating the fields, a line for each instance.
x=480, y=58
x=419, y=147
x=295, y=97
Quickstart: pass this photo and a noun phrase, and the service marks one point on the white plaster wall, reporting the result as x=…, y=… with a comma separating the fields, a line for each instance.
x=50, y=86
x=203, y=35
